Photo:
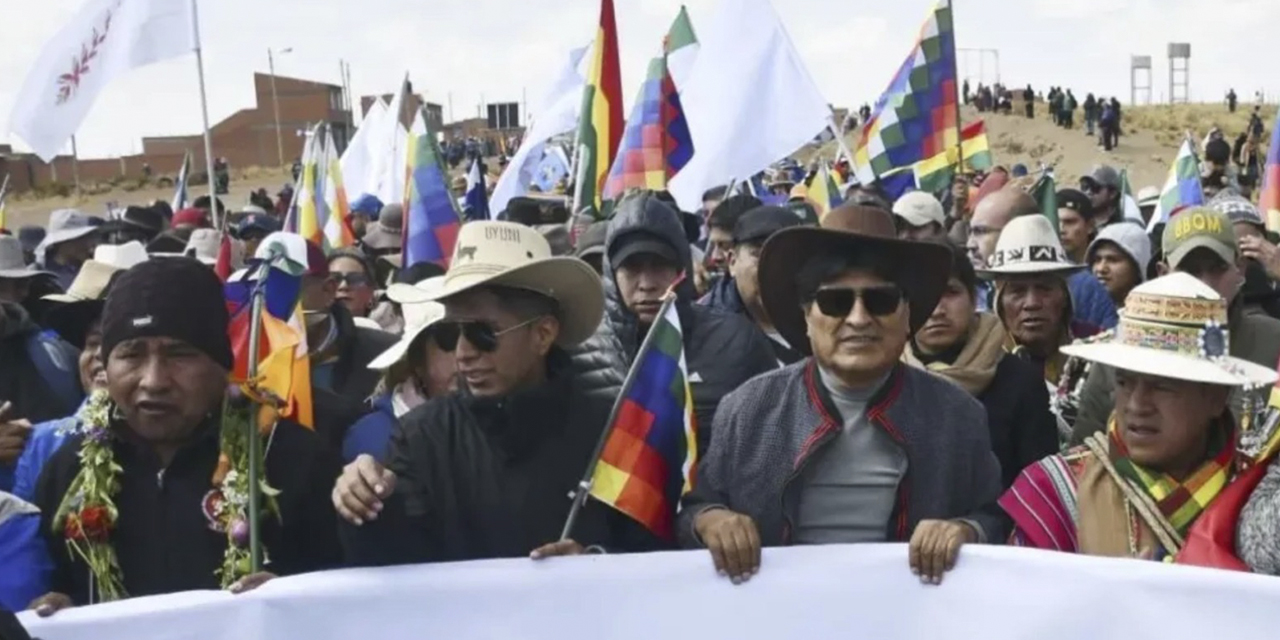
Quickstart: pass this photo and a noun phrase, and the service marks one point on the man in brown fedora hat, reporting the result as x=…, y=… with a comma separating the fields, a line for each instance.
x=848, y=445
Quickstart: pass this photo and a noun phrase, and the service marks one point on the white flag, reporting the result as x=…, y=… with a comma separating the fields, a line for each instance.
x=106, y=39
x=749, y=99
x=558, y=113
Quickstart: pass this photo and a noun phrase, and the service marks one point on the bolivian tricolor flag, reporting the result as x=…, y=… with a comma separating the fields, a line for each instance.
x=600, y=126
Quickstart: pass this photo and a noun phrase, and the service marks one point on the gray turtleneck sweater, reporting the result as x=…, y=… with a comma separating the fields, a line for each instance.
x=851, y=484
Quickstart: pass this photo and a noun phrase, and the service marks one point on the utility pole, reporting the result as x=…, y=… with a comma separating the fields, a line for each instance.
x=275, y=103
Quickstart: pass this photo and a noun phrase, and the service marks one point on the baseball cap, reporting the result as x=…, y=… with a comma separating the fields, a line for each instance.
x=260, y=221
x=1075, y=200
x=1198, y=228
x=591, y=242
x=1104, y=175
x=640, y=242
x=919, y=208
x=756, y=225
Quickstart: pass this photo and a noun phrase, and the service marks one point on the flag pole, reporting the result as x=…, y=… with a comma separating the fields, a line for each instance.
x=583, y=490
x=204, y=112
x=75, y=167
x=955, y=74
x=844, y=148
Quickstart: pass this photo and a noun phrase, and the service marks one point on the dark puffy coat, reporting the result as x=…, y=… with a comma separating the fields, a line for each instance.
x=480, y=478
x=722, y=350
x=724, y=296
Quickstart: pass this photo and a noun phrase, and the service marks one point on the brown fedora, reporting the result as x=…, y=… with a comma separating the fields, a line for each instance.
x=922, y=268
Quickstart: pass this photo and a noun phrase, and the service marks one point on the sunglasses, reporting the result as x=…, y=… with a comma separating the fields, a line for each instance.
x=838, y=302
x=352, y=279
x=480, y=334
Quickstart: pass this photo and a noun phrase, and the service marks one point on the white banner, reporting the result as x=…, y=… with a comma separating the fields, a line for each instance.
x=807, y=593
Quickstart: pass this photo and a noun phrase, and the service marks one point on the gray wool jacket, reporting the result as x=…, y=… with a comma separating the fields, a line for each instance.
x=1256, y=540
x=768, y=431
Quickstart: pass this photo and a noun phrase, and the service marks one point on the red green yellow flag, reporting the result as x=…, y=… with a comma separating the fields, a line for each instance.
x=601, y=123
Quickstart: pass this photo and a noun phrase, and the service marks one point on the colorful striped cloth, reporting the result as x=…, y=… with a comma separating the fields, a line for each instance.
x=647, y=461
x=1269, y=197
x=600, y=127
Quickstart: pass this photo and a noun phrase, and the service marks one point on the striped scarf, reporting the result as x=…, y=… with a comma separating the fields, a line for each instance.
x=1182, y=502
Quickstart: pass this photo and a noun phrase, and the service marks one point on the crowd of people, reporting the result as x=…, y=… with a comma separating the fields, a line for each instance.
x=892, y=371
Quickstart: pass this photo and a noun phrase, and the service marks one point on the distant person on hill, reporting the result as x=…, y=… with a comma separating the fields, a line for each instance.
x=1029, y=97
x=1115, y=105
x=966, y=91
x=1248, y=157
x=1069, y=105
x=1110, y=122
x=1255, y=124
x=1090, y=114
x=1232, y=100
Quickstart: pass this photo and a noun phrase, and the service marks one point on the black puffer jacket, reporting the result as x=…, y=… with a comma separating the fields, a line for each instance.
x=722, y=350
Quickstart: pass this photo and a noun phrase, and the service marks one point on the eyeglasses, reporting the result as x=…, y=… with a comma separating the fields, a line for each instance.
x=878, y=301
x=353, y=279
x=482, y=335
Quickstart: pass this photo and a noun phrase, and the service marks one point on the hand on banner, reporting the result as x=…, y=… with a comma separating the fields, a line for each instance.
x=51, y=603
x=935, y=545
x=251, y=582
x=13, y=436
x=561, y=548
x=360, y=489
x=1258, y=248
x=734, y=542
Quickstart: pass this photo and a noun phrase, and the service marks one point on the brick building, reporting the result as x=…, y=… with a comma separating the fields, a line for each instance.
x=245, y=138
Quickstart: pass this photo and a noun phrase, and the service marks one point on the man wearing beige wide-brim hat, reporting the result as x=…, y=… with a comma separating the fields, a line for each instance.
x=485, y=471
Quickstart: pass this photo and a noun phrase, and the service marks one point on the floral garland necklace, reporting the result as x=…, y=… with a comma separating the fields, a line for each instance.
x=88, y=513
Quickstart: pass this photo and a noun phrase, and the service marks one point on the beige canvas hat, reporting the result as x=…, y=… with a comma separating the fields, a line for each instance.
x=1175, y=327
x=514, y=255
x=1028, y=244
x=418, y=317
x=91, y=282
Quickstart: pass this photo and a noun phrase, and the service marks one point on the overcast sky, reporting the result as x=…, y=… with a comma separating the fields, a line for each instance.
x=495, y=49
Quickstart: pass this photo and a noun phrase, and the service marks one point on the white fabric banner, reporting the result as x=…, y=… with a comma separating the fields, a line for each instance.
x=104, y=40
x=749, y=100
x=811, y=593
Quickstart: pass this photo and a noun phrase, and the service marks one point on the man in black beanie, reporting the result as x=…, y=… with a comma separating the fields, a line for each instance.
x=167, y=356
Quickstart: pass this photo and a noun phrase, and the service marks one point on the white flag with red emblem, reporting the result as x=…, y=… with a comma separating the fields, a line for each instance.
x=104, y=40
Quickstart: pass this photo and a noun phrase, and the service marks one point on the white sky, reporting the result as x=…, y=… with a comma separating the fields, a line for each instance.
x=496, y=49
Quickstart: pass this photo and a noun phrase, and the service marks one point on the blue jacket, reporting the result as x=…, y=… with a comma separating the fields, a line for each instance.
x=45, y=440
x=371, y=434
x=23, y=555
x=1091, y=302
x=725, y=297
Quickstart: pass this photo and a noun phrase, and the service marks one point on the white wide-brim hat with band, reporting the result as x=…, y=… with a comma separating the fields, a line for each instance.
x=513, y=255
x=1028, y=245
x=418, y=317
x=1175, y=327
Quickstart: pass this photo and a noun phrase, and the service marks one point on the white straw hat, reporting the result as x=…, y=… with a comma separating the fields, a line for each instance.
x=1028, y=244
x=1175, y=327
x=418, y=317
x=514, y=255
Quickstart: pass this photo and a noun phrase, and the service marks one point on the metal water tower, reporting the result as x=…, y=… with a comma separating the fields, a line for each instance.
x=1179, y=72
x=1140, y=82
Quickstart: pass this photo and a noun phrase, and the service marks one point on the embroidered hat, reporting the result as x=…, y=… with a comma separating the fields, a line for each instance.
x=1175, y=327
x=1028, y=244
x=514, y=255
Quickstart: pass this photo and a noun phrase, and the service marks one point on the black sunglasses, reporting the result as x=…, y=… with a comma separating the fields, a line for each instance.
x=482, y=335
x=878, y=301
x=353, y=279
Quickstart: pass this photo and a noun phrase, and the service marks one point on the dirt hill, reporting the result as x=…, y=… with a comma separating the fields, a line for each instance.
x=1148, y=146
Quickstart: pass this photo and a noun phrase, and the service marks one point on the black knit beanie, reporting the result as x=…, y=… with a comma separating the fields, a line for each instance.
x=177, y=298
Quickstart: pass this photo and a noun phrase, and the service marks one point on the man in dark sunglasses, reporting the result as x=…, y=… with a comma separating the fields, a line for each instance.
x=1103, y=188
x=848, y=445
x=485, y=471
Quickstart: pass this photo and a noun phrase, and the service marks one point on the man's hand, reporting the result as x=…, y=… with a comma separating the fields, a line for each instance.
x=561, y=548
x=734, y=542
x=1256, y=248
x=360, y=490
x=251, y=582
x=50, y=603
x=935, y=545
x=13, y=435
